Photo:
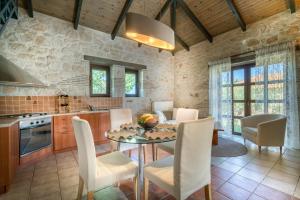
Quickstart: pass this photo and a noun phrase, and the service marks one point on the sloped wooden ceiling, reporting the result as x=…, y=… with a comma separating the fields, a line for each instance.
x=215, y=15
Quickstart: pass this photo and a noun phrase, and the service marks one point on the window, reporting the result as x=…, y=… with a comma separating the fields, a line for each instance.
x=256, y=90
x=99, y=81
x=131, y=83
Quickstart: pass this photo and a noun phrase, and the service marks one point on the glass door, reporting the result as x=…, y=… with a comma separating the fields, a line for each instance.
x=239, y=97
x=256, y=90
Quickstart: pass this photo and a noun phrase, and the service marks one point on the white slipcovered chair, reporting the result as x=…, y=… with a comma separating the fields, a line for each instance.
x=182, y=115
x=264, y=130
x=190, y=168
x=96, y=173
x=117, y=118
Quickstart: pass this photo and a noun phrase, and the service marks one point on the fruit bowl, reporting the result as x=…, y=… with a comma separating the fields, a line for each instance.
x=148, y=121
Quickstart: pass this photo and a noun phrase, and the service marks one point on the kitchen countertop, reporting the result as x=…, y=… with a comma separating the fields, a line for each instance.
x=6, y=122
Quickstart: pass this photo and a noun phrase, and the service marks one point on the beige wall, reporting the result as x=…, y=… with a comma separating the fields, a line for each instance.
x=191, y=68
x=52, y=51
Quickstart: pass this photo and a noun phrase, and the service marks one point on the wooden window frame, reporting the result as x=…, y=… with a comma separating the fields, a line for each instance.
x=101, y=67
x=136, y=73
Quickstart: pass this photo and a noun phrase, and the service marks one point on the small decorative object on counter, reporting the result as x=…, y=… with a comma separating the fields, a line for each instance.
x=148, y=121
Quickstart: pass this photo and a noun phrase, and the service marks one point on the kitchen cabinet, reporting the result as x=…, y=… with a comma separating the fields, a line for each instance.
x=9, y=155
x=63, y=133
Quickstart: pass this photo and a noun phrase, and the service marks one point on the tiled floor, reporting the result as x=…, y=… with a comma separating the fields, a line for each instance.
x=253, y=176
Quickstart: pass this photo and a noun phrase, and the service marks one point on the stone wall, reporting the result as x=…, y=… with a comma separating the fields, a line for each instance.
x=52, y=51
x=191, y=68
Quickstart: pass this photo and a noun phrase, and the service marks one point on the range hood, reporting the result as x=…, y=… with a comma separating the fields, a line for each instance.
x=12, y=75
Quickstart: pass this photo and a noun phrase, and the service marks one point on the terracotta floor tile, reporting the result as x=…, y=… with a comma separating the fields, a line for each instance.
x=234, y=192
x=230, y=167
x=243, y=182
x=247, y=173
x=216, y=182
x=218, y=196
x=40, y=180
x=270, y=193
x=279, y=185
x=258, y=168
x=255, y=197
x=221, y=173
x=239, y=161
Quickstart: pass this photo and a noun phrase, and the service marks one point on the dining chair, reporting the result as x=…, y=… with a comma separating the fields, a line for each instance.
x=182, y=114
x=96, y=173
x=190, y=168
x=117, y=118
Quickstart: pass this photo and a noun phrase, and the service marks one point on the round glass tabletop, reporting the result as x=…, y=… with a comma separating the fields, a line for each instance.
x=138, y=135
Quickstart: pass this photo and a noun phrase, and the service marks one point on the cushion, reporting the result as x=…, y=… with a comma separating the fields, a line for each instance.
x=174, y=113
x=250, y=133
x=161, y=116
x=112, y=168
x=167, y=146
x=160, y=172
x=250, y=130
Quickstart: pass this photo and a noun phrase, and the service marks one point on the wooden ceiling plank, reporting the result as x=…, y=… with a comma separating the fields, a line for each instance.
x=292, y=5
x=77, y=11
x=121, y=18
x=163, y=10
x=192, y=16
x=29, y=8
x=236, y=14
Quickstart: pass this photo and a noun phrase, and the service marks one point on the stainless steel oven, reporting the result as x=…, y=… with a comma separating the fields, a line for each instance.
x=35, y=134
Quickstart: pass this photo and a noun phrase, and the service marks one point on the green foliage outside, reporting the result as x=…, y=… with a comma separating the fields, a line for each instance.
x=99, y=81
x=130, y=83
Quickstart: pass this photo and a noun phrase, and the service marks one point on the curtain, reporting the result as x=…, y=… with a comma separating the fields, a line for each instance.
x=275, y=76
x=220, y=98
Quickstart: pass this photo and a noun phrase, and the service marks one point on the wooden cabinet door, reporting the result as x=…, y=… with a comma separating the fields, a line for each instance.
x=94, y=121
x=63, y=134
x=9, y=155
x=104, y=125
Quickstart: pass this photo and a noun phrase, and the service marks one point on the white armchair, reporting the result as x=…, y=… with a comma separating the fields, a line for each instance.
x=190, y=169
x=264, y=129
x=96, y=173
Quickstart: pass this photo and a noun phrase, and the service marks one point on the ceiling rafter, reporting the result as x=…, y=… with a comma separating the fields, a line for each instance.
x=196, y=21
x=121, y=18
x=292, y=5
x=77, y=11
x=236, y=14
x=173, y=13
x=29, y=8
x=163, y=10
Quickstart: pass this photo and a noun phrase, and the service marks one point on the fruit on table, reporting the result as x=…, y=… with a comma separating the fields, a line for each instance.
x=147, y=118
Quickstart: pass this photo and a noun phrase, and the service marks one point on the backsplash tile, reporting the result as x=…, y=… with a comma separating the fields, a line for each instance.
x=50, y=104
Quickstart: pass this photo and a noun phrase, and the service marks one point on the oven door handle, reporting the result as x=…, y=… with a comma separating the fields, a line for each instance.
x=36, y=126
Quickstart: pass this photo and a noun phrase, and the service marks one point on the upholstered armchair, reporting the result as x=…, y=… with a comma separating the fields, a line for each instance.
x=264, y=129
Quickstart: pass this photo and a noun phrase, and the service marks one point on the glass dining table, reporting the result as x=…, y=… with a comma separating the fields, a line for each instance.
x=140, y=136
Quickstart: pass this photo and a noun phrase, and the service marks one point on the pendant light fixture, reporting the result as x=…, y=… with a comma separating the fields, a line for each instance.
x=149, y=31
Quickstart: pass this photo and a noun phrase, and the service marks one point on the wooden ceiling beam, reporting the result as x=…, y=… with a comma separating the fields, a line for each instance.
x=163, y=10
x=29, y=8
x=196, y=21
x=77, y=11
x=121, y=18
x=181, y=42
x=236, y=14
x=292, y=5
